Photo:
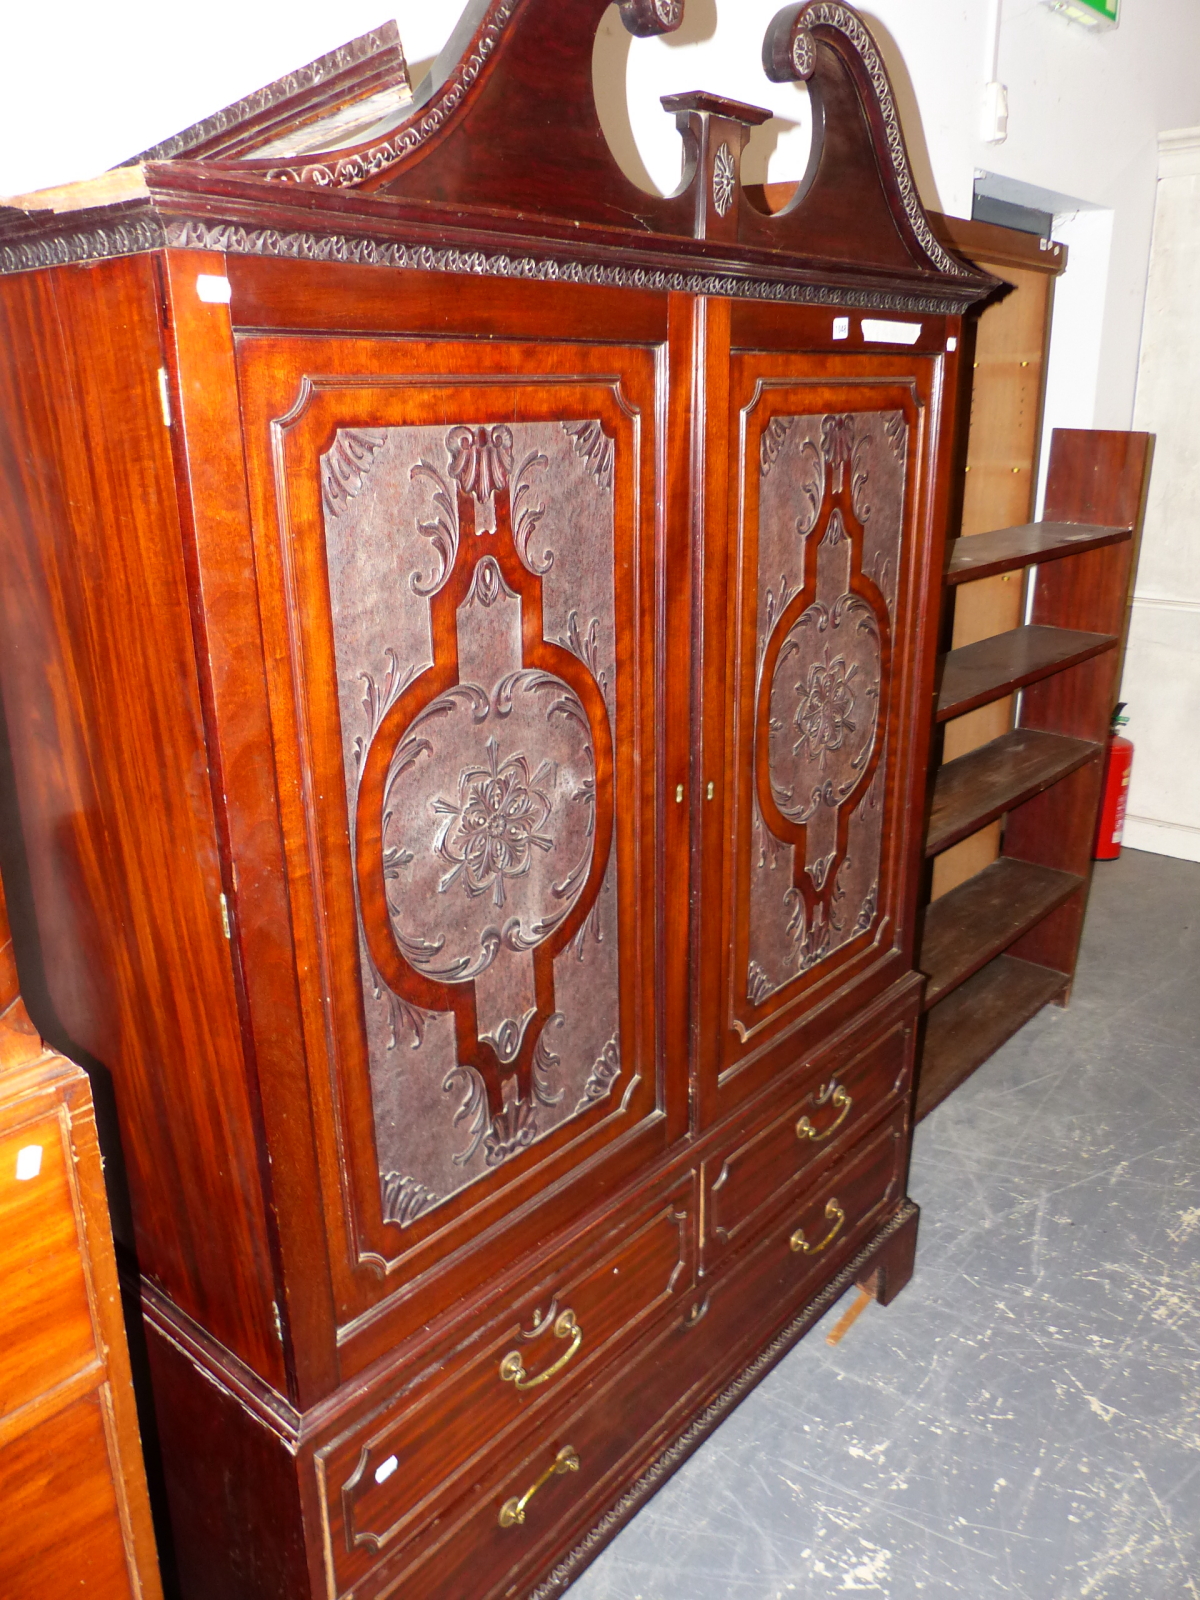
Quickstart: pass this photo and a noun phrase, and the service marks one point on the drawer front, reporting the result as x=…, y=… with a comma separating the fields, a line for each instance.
x=46, y=1333
x=835, y=1109
x=388, y=1478
x=522, y=1516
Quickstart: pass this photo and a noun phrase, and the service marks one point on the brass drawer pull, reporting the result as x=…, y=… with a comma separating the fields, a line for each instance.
x=513, y=1511
x=512, y=1368
x=831, y=1092
x=799, y=1243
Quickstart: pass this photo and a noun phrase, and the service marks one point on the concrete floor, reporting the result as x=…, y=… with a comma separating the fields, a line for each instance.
x=1024, y=1421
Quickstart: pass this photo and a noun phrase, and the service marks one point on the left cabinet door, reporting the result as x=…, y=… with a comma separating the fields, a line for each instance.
x=455, y=544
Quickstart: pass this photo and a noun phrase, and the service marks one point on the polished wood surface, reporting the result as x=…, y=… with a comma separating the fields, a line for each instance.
x=1009, y=549
x=977, y=673
x=402, y=588
x=72, y=1482
x=998, y=777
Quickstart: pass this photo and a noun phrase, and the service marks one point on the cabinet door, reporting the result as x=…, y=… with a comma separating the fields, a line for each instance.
x=813, y=723
x=455, y=544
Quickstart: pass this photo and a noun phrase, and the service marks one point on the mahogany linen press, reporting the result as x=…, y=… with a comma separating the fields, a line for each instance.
x=468, y=646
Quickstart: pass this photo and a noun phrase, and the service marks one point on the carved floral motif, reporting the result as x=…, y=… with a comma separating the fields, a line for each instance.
x=804, y=54
x=645, y=17
x=825, y=711
x=491, y=834
x=724, y=180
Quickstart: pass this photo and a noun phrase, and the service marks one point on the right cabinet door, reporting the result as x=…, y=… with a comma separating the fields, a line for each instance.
x=814, y=715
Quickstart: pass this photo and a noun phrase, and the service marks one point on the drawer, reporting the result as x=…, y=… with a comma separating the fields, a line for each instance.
x=46, y=1332
x=542, y=1498
x=384, y=1480
x=835, y=1109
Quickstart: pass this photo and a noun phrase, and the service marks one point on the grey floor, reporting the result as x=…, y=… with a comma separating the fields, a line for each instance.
x=1024, y=1421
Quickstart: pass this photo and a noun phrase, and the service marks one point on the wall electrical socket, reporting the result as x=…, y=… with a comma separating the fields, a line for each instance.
x=993, y=115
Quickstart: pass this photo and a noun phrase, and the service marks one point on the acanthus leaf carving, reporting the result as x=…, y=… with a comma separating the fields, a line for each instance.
x=472, y=1108
x=604, y=1074
x=526, y=515
x=773, y=435
x=405, y=1199
x=344, y=468
x=595, y=447
x=441, y=530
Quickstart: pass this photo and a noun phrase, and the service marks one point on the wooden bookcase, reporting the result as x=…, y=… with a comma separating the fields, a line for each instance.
x=1003, y=943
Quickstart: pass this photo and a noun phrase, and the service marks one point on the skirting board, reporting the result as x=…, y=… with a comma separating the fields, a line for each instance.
x=1162, y=838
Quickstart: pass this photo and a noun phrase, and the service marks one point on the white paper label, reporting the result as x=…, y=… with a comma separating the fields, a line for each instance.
x=29, y=1162
x=951, y=345
x=214, y=291
x=385, y=1469
x=841, y=327
x=881, y=332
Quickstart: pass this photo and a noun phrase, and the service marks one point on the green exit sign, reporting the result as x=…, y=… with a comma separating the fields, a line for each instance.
x=1092, y=13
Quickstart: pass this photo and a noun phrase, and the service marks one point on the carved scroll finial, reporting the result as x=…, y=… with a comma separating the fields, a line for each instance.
x=790, y=53
x=646, y=17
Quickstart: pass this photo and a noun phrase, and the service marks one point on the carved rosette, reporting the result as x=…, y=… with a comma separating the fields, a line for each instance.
x=647, y=17
x=471, y=578
x=831, y=505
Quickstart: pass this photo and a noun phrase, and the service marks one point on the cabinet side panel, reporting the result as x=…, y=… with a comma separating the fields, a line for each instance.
x=99, y=684
x=232, y=1486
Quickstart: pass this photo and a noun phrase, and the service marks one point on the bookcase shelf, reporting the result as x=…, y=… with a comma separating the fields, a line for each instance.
x=992, y=668
x=974, y=789
x=983, y=916
x=985, y=555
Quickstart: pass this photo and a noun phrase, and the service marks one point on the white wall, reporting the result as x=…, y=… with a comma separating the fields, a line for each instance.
x=1162, y=669
x=1085, y=110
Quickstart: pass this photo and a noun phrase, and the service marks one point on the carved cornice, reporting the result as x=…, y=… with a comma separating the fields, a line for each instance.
x=317, y=72
x=568, y=1569
x=237, y=240
x=87, y=244
x=154, y=233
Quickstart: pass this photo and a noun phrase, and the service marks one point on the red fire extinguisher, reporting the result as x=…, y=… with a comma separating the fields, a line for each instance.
x=1117, y=765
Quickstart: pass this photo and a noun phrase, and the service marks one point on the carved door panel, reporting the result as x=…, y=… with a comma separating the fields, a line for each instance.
x=457, y=578
x=804, y=895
